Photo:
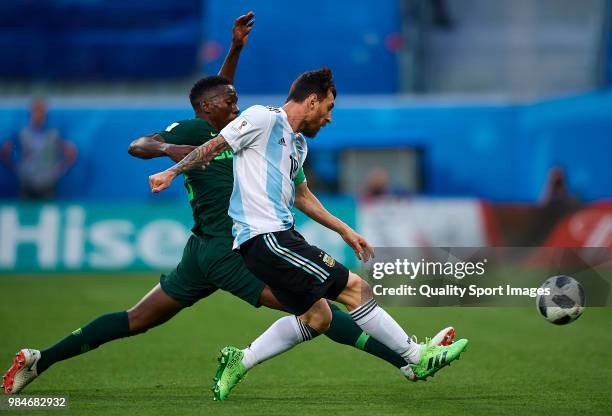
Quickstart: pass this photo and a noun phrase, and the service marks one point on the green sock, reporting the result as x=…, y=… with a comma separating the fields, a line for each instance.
x=99, y=331
x=345, y=331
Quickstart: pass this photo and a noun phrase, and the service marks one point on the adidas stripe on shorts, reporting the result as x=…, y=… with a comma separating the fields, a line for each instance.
x=297, y=273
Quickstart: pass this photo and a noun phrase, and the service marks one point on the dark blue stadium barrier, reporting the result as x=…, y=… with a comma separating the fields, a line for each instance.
x=92, y=40
x=496, y=152
x=156, y=39
x=609, y=50
x=357, y=39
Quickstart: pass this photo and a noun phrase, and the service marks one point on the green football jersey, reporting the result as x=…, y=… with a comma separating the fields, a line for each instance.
x=208, y=190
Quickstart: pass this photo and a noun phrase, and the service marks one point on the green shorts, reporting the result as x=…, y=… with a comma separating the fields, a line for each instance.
x=209, y=264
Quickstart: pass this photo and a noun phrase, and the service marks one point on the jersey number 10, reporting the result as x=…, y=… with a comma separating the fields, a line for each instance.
x=294, y=166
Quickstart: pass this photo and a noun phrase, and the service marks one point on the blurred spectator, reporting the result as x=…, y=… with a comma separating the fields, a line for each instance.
x=377, y=185
x=39, y=156
x=556, y=193
x=440, y=15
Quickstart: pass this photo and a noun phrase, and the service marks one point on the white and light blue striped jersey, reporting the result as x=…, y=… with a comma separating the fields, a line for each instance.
x=267, y=157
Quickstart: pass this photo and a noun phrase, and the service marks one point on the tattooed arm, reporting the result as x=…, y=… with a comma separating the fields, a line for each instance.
x=200, y=157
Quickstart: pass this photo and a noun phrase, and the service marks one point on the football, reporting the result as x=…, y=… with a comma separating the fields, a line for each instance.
x=565, y=301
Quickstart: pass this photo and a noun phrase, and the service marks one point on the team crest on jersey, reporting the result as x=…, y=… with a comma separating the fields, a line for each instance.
x=328, y=260
x=241, y=125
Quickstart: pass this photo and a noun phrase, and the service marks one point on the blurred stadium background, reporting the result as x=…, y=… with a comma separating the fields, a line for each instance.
x=458, y=122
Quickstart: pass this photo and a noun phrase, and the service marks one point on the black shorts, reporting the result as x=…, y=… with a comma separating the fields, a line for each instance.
x=298, y=274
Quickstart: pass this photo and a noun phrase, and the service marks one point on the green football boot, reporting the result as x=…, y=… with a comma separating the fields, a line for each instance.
x=433, y=358
x=230, y=371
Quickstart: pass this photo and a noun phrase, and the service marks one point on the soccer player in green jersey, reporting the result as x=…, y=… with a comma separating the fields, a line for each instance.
x=208, y=262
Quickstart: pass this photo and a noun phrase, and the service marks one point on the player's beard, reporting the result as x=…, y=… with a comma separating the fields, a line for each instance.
x=311, y=131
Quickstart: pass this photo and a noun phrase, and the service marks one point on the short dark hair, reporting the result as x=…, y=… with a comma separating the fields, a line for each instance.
x=204, y=85
x=319, y=82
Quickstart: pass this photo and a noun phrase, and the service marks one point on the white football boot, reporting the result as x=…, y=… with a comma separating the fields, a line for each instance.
x=442, y=338
x=22, y=372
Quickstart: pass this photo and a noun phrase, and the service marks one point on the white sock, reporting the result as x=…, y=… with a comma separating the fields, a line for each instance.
x=281, y=336
x=379, y=324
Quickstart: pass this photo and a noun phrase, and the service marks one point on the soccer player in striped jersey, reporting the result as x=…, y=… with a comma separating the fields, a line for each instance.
x=269, y=148
x=208, y=263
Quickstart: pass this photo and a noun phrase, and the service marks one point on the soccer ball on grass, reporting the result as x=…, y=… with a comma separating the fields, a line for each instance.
x=565, y=301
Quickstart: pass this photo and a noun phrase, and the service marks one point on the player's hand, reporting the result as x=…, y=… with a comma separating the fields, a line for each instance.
x=161, y=180
x=242, y=27
x=360, y=245
x=177, y=152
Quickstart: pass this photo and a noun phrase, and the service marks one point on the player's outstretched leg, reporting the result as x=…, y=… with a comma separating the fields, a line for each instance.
x=281, y=336
x=103, y=329
x=285, y=333
x=154, y=309
x=234, y=363
x=358, y=297
x=345, y=331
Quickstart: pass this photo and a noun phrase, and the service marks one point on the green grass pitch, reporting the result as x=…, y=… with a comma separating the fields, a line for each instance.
x=516, y=363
